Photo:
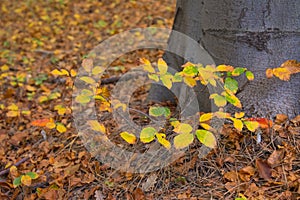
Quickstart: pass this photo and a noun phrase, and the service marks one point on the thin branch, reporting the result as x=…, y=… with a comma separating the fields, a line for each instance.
x=6, y=171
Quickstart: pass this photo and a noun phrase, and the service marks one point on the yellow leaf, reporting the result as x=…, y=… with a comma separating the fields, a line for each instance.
x=282, y=73
x=231, y=98
x=153, y=77
x=13, y=107
x=61, y=128
x=183, y=140
x=98, y=70
x=147, y=65
x=183, y=128
x=26, y=112
x=162, y=66
x=205, y=117
x=61, y=110
x=82, y=99
x=161, y=138
x=225, y=68
x=239, y=115
x=207, y=138
x=65, y=72
x=269, y=73
x=251, y=125
x=26, y=180
x=12, y=113
x=88, y=80
x=56, y=72
x=249, y=75
x=128, y=137
x=206, y=126
x=30, y=88
x=4, y=68
x=166, y=80
x=148, y=134
x=73, y=73
x=219, y=100
x=13, y=171
x=96, y=126
x=116, y=104
x=190, y=81
x=42, y=99
x=51, y=124
x=238, y=124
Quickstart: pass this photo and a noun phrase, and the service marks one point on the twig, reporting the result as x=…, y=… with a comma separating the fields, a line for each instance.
x=17, y=164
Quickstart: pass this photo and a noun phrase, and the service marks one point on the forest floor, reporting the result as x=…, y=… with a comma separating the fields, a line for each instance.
x=38, y=135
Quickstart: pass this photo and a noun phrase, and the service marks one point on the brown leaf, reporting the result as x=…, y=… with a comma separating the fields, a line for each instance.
x=281, y=118
x=138, y=194
x=296, y=119
x=231, y=176
x=275, y=158
x=246, y=173
x=264, y=170
x=292, y=66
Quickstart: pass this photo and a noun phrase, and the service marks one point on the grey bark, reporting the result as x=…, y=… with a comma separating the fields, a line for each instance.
x=257, y=34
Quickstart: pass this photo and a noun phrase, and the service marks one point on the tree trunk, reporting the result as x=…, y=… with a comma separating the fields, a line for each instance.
x=257, y=34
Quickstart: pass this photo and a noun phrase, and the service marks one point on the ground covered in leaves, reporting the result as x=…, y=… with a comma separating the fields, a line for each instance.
x=41, y=154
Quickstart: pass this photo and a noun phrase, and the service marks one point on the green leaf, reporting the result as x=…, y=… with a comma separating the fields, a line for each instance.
x=219, y=100
x=238, y=71
x=32, y=175
x=161, y=138
x=251, y=125
x=231, y=84
x=183, y=140
x=17, y=181
x=207, y=138
x=148, y=134
x=177, y=78
x=249, y=75
x=231, y=98
x=153, y=77
x=190, y=70
x=128, y=137
x=159, y=111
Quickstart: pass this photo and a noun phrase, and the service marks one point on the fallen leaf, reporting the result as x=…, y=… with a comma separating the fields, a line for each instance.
x=264, y=170
x=276, y=157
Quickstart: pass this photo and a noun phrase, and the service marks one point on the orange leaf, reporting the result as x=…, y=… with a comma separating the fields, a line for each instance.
x=40, y=122
x=263, y=122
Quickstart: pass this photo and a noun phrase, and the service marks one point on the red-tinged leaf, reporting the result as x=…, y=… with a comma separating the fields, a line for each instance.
x=225, y=68
x=263, y=122
x=264, y=170
x=40, y=122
